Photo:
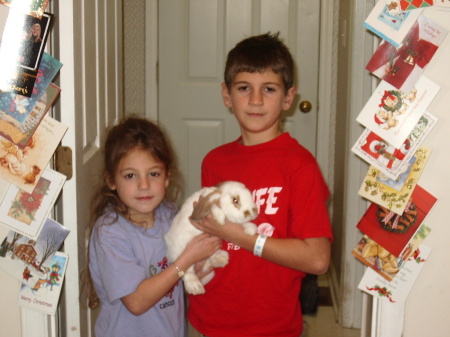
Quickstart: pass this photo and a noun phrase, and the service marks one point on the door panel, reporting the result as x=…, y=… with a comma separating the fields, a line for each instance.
x=194, y=38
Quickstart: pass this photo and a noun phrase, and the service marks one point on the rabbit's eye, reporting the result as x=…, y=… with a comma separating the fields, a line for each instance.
x=236, y=201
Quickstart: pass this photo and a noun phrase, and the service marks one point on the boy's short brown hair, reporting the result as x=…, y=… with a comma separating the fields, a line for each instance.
x=257, y=54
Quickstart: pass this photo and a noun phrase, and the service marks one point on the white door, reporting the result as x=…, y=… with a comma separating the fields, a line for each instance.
x=194, y=38
x=90, y=48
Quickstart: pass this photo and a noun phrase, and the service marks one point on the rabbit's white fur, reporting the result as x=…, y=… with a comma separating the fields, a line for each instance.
x=231, y=200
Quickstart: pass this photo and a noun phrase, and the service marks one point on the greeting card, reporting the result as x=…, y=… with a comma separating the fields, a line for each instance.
x=385, y=157
x=43, y=296
x=33, y=7
x=378, y=258
x=397, y=290
x=393, y=114
x=394, y=194
x=403, y=66
x=407, y=5
x=25, y=212
x=24, y=258
x=23, y=167
x=390, y=24
x=393, y=231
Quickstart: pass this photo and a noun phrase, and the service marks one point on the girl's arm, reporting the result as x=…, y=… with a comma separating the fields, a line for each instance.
x=310, y=255
x=152, y=289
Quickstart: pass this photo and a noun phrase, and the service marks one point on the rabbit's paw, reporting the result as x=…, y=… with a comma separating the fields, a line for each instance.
x=250, y=228
x=219, y=259
x=192, y=284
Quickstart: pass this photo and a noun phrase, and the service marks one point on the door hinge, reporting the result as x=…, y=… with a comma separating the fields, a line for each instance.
x=63, y=161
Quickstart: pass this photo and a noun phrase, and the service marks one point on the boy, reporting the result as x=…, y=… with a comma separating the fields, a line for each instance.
x=257, y=293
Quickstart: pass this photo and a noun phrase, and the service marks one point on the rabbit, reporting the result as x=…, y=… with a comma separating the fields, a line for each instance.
x=230, y=200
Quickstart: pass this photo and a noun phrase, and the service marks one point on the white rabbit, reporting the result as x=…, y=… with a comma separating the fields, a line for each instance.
x=231, y=200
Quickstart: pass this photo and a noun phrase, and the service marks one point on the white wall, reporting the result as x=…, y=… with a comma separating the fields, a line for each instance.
x=428, y=304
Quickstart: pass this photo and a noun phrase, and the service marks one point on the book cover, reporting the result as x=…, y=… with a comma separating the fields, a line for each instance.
x=393, y=114
x=23, y=167
x=25, y=212
x=394, y=194
x=44, y=295
x=397, y=290
x=388, y=159
x=391, y=230
x=384, y=263
x=403, y=66
x=390, y=25
x=24, y=257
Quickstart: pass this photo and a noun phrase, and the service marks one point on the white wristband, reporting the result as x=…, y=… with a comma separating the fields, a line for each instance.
x=259, y=245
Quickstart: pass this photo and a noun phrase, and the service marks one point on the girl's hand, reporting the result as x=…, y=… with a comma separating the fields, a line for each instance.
x=202, y=246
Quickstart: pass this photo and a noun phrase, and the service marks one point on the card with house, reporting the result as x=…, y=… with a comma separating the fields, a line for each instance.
x=394, y=194
x=23, y=167
x=25, y=212
x=402, y=66
x=44, y=295
x=393, y=114
x=24, y=258
x=389, y=24
x=397, y=290
x=388, y=159
x=33, y=7
x=393, y=231
x=378, y=258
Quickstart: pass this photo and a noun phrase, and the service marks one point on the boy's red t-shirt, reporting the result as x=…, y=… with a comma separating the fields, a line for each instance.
x=252, y=296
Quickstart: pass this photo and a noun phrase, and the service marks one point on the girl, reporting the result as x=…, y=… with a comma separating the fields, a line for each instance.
x=140, y=294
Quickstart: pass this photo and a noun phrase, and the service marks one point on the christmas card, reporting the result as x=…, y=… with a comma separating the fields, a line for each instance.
x=23, y=167
x=17, y=112
x=32, y=7
x=391, y=230
x=389, y=24
x=390, y=160
x=44, y=295
x=24, y=258
x=380, y=260
x=397, y=290
x=402, y=66
x=392, y=114
x=394, y=194
x=25, y=212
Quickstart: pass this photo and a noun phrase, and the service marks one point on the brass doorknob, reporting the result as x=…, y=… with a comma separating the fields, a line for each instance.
x=305, y=106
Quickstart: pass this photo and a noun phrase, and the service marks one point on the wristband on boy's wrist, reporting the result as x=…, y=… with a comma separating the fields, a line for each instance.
x=180, y=272
x=259, y=245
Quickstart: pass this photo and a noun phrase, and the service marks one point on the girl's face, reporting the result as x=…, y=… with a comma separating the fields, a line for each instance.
x=36, y=30
x=141, y=183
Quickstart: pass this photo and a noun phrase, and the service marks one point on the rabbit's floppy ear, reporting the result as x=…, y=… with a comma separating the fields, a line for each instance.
x=204, y=205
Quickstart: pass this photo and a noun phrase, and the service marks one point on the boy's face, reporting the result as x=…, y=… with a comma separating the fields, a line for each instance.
x=257, y=100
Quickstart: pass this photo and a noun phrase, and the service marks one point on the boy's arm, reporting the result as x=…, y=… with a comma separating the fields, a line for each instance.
x=310, y=255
